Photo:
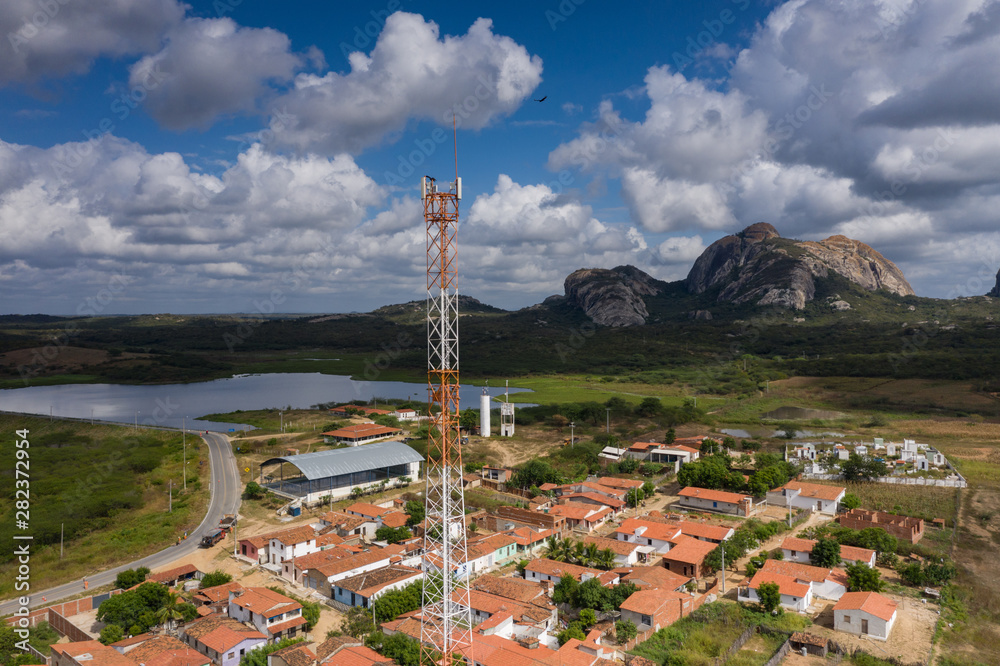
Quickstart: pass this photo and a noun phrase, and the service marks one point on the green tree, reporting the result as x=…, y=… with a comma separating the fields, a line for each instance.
x=825, y=553
x=862, y=578
x=634, y=497
x=130, y=578
x=253, y=491
x=392, y=534
x=215, y=578
x=572, y=631
x=769, y=595
x=535, y=472
x=399, y=647
x=416, y=512
x=170, y=611
x=565, y=590
x=862, y=468
x=605, y=559
x=670, y=437
x=590, y=594
x=357, y=622
x=911, y=573
x=469, y=419
x=588, y=618
x=851, y=501
x=625, y=630
x=111, y=633
x=649, y=408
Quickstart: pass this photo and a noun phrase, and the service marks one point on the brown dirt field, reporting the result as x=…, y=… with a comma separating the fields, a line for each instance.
x=946, y=394
x=68, y=360
x=909, y=641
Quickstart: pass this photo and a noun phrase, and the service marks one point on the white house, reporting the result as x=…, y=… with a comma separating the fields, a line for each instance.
x=661, y=536
x=626, y=552
x=294, y=542
x=865, y=614
x=405, y=414
x=815, y=496
x=798, y=550
x=715, y=500
x=824, y=583
x=274, y=615
x=323, y=576
x=362, y=589
x=794, y=595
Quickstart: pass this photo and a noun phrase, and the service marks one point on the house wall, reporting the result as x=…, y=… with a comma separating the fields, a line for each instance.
x=828, y=589
x=877, y=627
x=279, y=552
x=682, y=568
x=660, y=546
x=710, y=505
x=800, y=604
x=795, y=555
x=344, y=596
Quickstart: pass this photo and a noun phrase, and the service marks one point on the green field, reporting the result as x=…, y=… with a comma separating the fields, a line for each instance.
x=104, y=486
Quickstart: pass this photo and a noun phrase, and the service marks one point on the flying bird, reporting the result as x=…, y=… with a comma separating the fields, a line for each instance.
x=542, y=99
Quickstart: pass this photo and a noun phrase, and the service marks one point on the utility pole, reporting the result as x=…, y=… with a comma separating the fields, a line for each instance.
x=572, y=439
x=789, y=513
x=184, y=439
x=723, y=544
x=170, y=495
x=61, y=533
x=608, y=421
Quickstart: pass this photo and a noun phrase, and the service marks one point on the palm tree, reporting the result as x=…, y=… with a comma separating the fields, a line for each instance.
x=554, y=549
x=605, y=559
x=591, y=554
x=170, y=612
x=579, y=555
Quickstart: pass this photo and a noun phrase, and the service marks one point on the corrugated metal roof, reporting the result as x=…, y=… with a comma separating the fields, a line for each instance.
x=322, y=464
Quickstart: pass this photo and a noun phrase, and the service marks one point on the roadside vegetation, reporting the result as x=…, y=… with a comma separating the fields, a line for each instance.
x=104, y=490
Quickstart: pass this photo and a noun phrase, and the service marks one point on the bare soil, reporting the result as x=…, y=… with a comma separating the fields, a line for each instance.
x=910, y=638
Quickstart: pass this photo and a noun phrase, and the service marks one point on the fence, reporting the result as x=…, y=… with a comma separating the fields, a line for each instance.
x=66, y=628
x=735, y=647
x=960, y=482
x=67, y=609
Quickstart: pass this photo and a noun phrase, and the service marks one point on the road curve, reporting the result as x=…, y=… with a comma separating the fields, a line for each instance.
x=225, y=498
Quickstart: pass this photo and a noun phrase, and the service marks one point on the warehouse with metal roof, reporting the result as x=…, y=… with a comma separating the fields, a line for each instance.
x=315, y=477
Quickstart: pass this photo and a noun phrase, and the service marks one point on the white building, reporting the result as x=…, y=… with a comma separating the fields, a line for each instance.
x=865, y=614
x=274, y=615
x=338, y=472
x=815, y=496
x=799, y=550
x=795, y=596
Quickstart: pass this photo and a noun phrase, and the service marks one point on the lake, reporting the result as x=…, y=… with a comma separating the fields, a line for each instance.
x=169, y=404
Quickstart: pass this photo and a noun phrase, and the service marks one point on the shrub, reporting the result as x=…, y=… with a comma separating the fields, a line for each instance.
x=215, y=578
x=625, y=630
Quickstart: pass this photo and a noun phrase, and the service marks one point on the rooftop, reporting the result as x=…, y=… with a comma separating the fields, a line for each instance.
x=265, y=602
x=321, y=464
x=787, y=585
x=816, y=490
x=370, y=582
x=361, y=431
x=367, y=510
x=648, y=602
x=713, y=495
x=690, y=551
x=869, y=602
x=797, y=570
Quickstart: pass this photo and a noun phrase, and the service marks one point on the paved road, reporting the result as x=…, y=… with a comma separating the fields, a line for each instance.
x=225, y=498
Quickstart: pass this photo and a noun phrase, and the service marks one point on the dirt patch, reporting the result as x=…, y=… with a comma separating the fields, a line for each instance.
x=68, y=359
x=910, y=638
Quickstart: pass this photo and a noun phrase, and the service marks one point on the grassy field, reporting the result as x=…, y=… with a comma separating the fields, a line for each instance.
x=918, y=501
x=107, y=487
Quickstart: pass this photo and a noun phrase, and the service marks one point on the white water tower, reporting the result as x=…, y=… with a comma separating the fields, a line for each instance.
x=484, y=413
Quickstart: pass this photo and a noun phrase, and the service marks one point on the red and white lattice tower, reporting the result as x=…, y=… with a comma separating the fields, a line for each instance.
x=447, y=626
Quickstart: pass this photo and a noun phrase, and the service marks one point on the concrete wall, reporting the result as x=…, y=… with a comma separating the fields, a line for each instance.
x=709, y=505
x=877, y=627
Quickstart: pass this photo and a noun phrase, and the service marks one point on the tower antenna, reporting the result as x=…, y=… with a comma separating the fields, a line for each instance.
x=446, y=629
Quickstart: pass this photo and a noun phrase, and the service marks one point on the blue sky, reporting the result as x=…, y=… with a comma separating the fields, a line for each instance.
x=233, y=156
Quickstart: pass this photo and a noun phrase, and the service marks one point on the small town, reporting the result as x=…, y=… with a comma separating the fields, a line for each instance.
x=583, y=572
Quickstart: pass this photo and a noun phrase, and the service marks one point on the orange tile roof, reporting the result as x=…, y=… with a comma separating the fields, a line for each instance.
x=370, y=582
x=367, y=510
x=351, y=562
x=613, y=502
x=578, y=511
x=798, y=545
x=223, y=639
x=657, y=577
x=297, y=655
x=218, y=593
x=713, y=495
x=360, y=655
x=716, y=532
x=643, y=446
x=648, y=602
x=395, y=519
x=494, y=620
x=560, y=569
x=172, y=574
x=787, y=585
x=855, y=553
x=819, y=491
x=101, y=653
x=285, y=626
x=516, y=589
x=654, y=530
x=293, y=535
x=525, y=536
x=797, y=570
x=869, y=602
x=679, y=447
x=163, y=650
x=690, y=551
x=613, y=482
x=265, y=602
x=614, y=545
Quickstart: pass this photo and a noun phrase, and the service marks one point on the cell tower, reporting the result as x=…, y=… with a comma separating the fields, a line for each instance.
x=506, y=415
x=446, y=629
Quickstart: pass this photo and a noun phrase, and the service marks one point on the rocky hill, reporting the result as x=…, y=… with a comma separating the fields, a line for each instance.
x=758, y=266
x=995, y=291
x=612, y=297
